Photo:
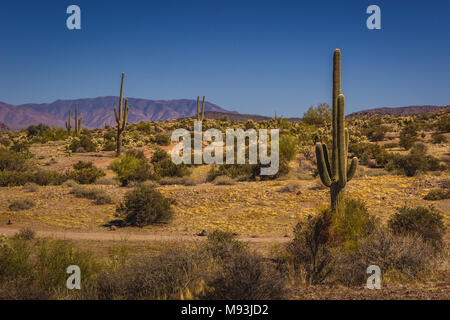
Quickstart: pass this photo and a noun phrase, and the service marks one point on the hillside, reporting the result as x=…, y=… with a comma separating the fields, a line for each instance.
x=402, y=111
x=97, y=112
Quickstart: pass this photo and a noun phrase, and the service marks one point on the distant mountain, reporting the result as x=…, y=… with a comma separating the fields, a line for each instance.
x=97, y=112
x=402, y=111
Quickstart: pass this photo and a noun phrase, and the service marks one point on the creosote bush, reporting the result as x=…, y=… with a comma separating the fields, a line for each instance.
x=424, y=222
x=132, y=166
x=85, y=172
x=144, y=205
x=23, y=204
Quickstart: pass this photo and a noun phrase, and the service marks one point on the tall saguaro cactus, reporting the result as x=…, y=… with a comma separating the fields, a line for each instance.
x=77, y=121
x=121, y=118
x=77, y=129
x=202, y=116
x=335, y=173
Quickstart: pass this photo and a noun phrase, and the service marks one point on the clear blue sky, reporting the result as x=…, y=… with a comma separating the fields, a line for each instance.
x=249, y=56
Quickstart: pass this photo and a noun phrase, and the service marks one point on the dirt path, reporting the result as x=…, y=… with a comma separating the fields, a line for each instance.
x=129, y=236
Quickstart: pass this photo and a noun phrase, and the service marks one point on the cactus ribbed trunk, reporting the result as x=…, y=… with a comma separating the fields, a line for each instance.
x=203, y=108
x=335, y=173
x=121, y=118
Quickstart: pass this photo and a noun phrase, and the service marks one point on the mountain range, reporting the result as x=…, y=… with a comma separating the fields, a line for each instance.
x=98, y=112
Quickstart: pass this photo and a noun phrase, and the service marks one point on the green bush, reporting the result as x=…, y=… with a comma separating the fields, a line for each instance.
x=425, y=222
x=48, y=177
x=161, y=139
x=14, y=178
x=288, y=147
x=83, y=143
x=23, y=204
x=320, y=116
x=416, y=161
x=144, y=205
x=351, y=222
x=131, y=168
x=12, y=161
x=409, y=134
x=85, y=172
x=37, y=130
x=52, y=259
x=164, y=167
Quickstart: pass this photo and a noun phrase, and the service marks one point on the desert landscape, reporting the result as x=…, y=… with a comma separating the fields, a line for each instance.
x=111, y=201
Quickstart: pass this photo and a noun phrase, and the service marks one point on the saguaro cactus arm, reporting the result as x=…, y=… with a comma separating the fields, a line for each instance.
x=322, y=166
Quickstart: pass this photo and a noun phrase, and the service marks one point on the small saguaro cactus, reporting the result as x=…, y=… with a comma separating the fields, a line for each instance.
x=202, y=116
x=121, y=118
x=68, y=125
x=335, y=173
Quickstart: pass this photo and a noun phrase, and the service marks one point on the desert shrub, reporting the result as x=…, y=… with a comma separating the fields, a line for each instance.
x=161, y=139
x=416, y=161
x=5, y=141
x=143, y=206
x=82, y=143
x=22, y=204
x=229, y=170
x=320, y=116
x=12, y=161
x=31, y=187
x=164, y=167
x=22, y=288
x=109, y=146
x=22, y=147
x=408, y=254
x=100, y=196
x=222, y=244
x=290, y=187
x=409, y=134
x=437, y=194
x=443, y=123
x=37, y=130
x=245, y=276
x=48, y=177
x=25, y=234
x=131, y=167
x=85, y=172
x=351, y=222
x=14, y=178
x=437, y=138
x=425, y=222
x=54, y=134
x=224, y=181
x=174, y=274
x=14, y=259
x=150, y=184
x=309, y=248
x=185, y=181
x=52, y=259
x=287, y=147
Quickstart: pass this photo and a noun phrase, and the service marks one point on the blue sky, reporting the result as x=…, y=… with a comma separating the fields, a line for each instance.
x=249, y=56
